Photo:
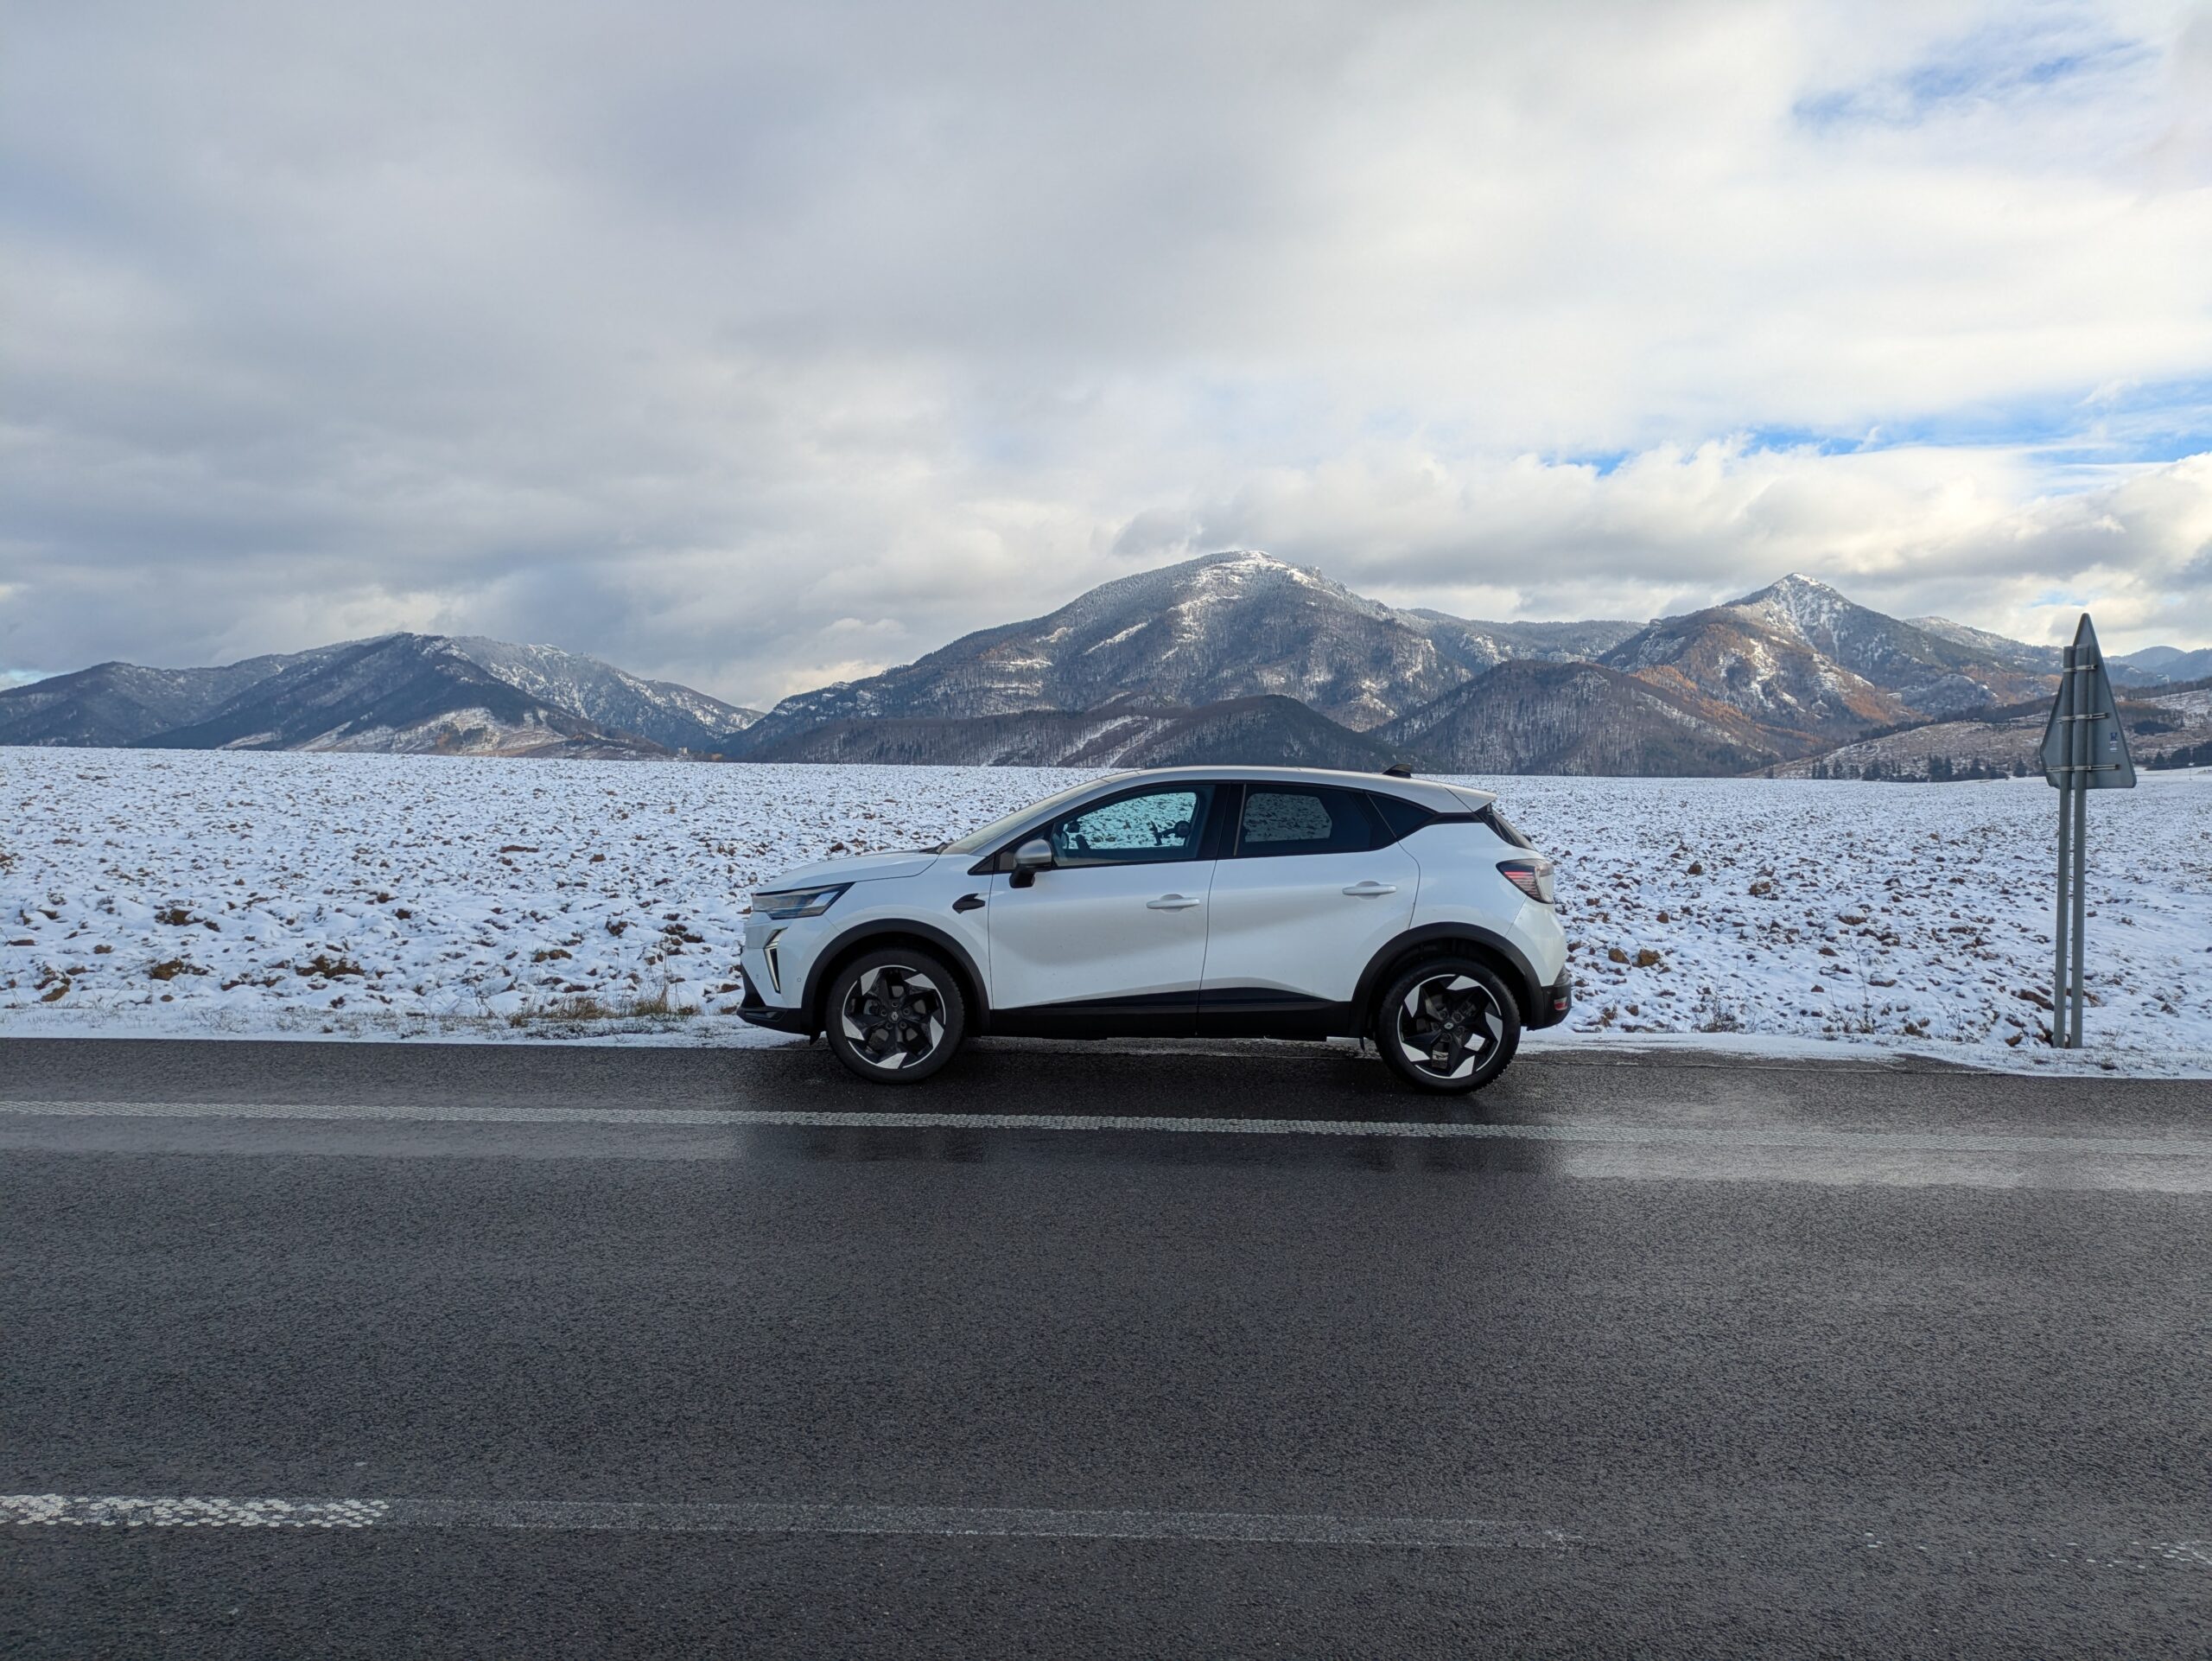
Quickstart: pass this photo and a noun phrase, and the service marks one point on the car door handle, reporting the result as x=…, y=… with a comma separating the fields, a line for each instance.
x=1366, y=890
x=1172, y=902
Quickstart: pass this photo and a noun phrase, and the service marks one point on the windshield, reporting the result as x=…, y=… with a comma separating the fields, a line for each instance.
x=975, y=840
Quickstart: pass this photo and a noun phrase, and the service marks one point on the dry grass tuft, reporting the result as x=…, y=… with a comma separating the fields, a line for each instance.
x=580, y=1007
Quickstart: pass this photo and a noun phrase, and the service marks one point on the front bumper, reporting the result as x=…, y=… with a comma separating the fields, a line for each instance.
x=1556, y=1002
x=751, y=1008
x=774, y=961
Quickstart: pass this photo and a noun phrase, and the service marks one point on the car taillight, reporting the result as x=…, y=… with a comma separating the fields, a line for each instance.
x=1532, y=876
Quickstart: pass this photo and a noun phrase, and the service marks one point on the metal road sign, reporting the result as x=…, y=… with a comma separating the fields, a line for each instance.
x=2084, y=748
x=2085, y=702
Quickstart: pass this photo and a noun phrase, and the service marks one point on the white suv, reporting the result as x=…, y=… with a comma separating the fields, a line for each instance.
x=1268, y=902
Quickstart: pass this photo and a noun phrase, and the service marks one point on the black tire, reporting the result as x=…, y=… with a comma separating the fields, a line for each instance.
x=894, y=1015
x=1447, y=1025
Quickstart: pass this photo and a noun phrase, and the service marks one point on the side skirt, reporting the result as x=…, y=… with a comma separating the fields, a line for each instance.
x=1265, y=1012
x=1218, y=1012
x=1155, y=1014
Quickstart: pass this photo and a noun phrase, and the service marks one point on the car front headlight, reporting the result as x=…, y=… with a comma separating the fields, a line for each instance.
x=786, y=903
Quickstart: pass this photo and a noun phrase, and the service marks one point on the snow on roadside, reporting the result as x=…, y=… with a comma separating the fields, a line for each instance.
x=1910, y=915
x=178, y=892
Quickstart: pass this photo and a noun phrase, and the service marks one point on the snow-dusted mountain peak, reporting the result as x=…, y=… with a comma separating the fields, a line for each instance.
x=1222, y=626
x=668, y=713
x=1798, y=604
x=1242, y=563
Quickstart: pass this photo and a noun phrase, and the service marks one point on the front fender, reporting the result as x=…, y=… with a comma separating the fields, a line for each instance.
x=891, y=928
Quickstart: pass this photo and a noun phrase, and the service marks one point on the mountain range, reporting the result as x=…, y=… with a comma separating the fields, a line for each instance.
x=1233, y=655
x=397, y=693
x=1789, y=672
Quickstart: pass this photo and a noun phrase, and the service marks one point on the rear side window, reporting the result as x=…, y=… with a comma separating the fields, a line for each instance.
x=1281, y=819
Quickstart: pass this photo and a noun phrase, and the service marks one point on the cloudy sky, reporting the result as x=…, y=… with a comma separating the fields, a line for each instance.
x=757, y=347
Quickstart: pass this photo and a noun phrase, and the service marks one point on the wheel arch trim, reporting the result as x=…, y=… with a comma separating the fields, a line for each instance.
x=888, y=931
x=1522, y=977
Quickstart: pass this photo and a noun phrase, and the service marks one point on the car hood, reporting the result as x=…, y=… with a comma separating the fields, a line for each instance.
x=855, y=867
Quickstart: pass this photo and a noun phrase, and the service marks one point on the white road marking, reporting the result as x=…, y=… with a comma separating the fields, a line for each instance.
x=763, y=1517
x=188, y=1511
x=1898, y=1141
x=977, y=1522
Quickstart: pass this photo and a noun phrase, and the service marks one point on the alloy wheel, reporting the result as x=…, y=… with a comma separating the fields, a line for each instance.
x=1447, y=1025
x=894, y=1017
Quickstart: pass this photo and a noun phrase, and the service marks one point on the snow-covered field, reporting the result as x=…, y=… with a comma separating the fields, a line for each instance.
x=148, y=891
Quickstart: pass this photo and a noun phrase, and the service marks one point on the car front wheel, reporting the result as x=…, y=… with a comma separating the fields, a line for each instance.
x=895, y=1016
x=1447, y=1025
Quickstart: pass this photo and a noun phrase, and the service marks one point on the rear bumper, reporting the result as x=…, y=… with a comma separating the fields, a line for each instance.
x=1556, y=1002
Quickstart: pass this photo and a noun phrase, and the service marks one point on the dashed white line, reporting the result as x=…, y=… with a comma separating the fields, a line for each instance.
x=121, y=1510
x=740, y=1119
x=189, y=1511
x=984, y=1522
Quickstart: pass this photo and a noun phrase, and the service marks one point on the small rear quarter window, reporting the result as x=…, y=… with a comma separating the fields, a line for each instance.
x=1504, y=827
x=1404, y=817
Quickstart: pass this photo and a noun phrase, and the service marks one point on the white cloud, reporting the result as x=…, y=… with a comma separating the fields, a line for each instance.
x=748, y=344
x=1912, y=531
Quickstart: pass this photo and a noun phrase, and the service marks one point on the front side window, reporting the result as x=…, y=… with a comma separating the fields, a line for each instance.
x=1295, y=819
x=1144, y=829
x=975, y=840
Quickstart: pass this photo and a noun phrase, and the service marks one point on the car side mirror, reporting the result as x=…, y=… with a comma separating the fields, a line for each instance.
x=1032, y=856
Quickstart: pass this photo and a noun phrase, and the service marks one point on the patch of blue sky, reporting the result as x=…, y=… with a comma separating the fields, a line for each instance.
x=1807, y=438
x=1992, y=66
x=2160, y=421
x=2142, y=423
x=2147, y=452
x=1601, y=463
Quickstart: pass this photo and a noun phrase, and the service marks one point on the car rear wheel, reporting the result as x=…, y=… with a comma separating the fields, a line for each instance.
x=1447, y=1025
x=895, y=1016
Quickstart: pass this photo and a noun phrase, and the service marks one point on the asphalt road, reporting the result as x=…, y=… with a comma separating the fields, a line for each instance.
x=570, y=1351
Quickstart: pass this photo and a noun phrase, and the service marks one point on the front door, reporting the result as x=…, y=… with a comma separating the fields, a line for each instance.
x=1112, y=938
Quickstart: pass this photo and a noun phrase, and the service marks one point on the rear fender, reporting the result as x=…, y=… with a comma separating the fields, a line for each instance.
x=1486, y=945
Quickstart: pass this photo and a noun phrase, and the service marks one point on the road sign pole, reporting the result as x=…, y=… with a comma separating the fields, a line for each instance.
x=2084, y=748
x=2080, y=839
x=2061, y=958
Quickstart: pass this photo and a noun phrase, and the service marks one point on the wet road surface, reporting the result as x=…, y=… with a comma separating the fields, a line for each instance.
x=352, y=1349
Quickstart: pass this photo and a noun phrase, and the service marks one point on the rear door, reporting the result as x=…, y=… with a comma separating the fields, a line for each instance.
x=1314, y=885
x=1112, y=937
